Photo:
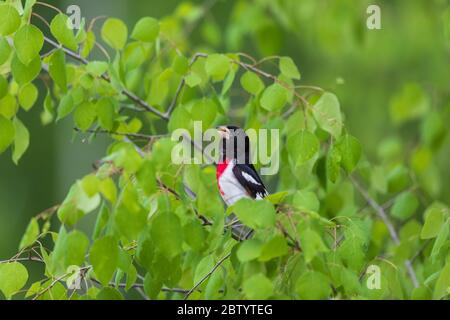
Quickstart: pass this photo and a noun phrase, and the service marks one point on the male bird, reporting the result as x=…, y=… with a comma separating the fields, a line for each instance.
x=236, y=176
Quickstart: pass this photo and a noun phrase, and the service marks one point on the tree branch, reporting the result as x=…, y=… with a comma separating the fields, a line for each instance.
x=130, y=135
x=206, y=276
x=130, y=95
x=181, y=85
x=393, y=233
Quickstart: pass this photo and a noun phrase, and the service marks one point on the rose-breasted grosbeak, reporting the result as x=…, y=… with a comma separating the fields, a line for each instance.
x=236, y=176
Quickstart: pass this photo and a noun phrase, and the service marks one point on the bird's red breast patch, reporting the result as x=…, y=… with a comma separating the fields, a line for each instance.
x=221, y=167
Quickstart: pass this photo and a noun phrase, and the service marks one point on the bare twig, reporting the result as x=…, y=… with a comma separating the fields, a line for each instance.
x=393, y=233
x=131, y=135
x=206, y=276
x=130, y=95
x=181, y=85
x=55, y=281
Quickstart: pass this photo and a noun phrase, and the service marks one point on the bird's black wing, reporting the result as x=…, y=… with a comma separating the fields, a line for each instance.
x=248, y=177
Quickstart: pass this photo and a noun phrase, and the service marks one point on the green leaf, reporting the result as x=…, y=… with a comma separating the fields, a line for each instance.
x=85, y=115
x=30, y=235
x=105, y=113
x=254, y=213
x=13, y=276
x=249, y=250
x=3, y=86
x=333, y=163
x=108, y=190
x=131, y=277
x=252, y=83
x=7, y=133
x=306, y=201
x=97, y=68
x=288, y=68
x=302, y=146
x=162, y=224
x=27, y=96
x=434, y=219
x=147, y=178
x=102, y=220
x=5, y=50
x=21, y=140
x=274, y=97
x=410, y=103
x=76, y=245
x=195, y=235
x=350, y=150
x=193, y=79
x=258, y=287
x=60, y=29
x=313, y=285
x=90, y=185
x=28, y=42
x=66, y=106
x=9, y=19
x=76, y=204
x=441, y=240
x=203, y=268
x=442, y=287
x=104, y=256
x=57, y=69
x=130, y=217
x=109, y=294
x=228, y=82
x=274, y=248
x=114, y=32
x=25, y=73
x=146, y=30
x=312, y=244
x=151, y=286
x=180, y=65
x=217, y=66
x=204, y=110
x=405, y=205
x=8, y=106
x=327, y=113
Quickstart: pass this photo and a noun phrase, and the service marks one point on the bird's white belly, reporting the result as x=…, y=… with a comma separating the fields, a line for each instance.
x=231, y=189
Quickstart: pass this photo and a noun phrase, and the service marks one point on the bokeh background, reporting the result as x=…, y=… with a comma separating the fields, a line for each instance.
x=408, y=60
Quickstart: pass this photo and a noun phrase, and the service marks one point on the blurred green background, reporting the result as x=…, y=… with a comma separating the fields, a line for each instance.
x=373, y=72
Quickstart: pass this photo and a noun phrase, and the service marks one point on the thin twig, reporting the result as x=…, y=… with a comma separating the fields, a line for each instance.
x=130, y=95
x=132, y=135
x=206, y=276
x=181, y=85
x=393, y=233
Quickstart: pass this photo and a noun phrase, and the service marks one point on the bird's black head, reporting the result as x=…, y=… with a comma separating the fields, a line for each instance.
x=234, y=144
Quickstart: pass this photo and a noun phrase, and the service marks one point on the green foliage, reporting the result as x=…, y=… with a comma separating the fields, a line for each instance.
x=61, y=31
x=28, y=42
x=328, y=115
x=274, y=97
x=13, y=276
x=10, y=19
x=146, y=29
x=115, y=33
x=252, y=83
x=334, y=211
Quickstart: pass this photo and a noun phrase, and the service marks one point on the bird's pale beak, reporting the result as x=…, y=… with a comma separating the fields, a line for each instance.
x=223, y=132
